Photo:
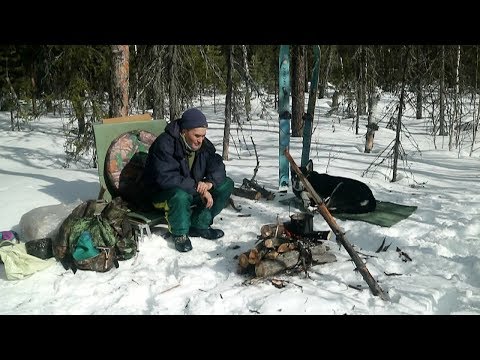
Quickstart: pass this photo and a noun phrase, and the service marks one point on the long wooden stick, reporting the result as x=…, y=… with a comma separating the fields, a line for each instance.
x=339, y=233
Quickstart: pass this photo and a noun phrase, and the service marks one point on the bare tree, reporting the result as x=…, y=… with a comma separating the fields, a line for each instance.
x=305, y=60
x=457, y=119
x=13, y=95
x=228, y=102
x=362, y=95
x=396, y=146
x=212, y=57
x=361, y=92
x=442, y=94
x=120, y=80
x=312, y=98
x=172, y=88
x=418, y=83
x=323, y=84
x=248, y=107
x=158, y=90
x=372, y=101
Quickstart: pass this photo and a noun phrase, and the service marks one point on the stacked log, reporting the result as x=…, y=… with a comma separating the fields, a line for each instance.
x=277, y=251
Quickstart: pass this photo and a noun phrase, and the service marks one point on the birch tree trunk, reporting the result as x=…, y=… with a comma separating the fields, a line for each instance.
x=228, y=102
x=360, y=95
x=137, y=85
x=457, y=119
x=120, y=80
x=362, y=83
x=475, y=119
x=371, y=125
x=442, y=94
x=140, y=84
x=306, y=72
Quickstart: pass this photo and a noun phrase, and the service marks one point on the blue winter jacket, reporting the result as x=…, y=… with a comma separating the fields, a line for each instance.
x=167, y=165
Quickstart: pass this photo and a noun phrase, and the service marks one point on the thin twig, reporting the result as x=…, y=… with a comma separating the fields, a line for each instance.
x=392, y=274
x=173, y=287
x=366, y=255
x=258, y=162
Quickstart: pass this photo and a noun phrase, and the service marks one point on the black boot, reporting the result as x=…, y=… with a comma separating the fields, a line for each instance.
x=182, y=243
x=211, y=234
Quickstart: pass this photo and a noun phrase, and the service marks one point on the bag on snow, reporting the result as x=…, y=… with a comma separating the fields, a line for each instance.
x=95, y=236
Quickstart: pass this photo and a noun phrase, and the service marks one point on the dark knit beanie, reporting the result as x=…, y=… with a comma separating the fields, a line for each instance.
x=192, y=118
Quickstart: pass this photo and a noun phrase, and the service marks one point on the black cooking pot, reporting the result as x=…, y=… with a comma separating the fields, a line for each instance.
x=301, y=223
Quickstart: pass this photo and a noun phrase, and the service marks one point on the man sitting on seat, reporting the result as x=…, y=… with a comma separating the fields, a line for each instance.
x=186, y=177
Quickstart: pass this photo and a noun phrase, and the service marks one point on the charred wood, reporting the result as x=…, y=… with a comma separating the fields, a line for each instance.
x=247, y=193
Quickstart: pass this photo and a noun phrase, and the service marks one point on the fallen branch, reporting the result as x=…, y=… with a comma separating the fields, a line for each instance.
x=339, y=233
x=249, y=184
x=392, y=274
x=247, y=193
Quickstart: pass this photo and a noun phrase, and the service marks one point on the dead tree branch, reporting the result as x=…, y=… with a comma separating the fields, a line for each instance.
x=258, y=162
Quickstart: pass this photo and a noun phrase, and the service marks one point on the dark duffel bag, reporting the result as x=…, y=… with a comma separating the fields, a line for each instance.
x=41, y=248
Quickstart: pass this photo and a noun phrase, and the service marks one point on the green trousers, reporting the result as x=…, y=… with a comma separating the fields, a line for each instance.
x=183, y=210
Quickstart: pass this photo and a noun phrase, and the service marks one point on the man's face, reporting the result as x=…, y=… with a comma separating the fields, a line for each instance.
x=194, y=137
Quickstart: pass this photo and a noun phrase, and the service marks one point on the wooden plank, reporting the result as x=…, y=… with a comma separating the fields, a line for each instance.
x=139, y=117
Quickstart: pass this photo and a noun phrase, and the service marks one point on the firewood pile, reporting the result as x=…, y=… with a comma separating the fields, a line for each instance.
x=285, y=246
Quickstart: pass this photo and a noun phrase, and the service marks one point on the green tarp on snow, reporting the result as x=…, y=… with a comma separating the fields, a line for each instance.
x=386, y=213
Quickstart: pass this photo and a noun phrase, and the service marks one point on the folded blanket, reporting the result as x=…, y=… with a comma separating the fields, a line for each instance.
x=19, y=264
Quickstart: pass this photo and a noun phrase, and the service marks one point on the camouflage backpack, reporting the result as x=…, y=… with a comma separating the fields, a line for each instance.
x=124, y=164
x=95, y=236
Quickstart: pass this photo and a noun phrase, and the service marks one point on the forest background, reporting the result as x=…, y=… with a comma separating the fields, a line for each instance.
x=87, y=83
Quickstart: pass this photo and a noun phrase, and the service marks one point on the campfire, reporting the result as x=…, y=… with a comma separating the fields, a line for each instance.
x=288, y=245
